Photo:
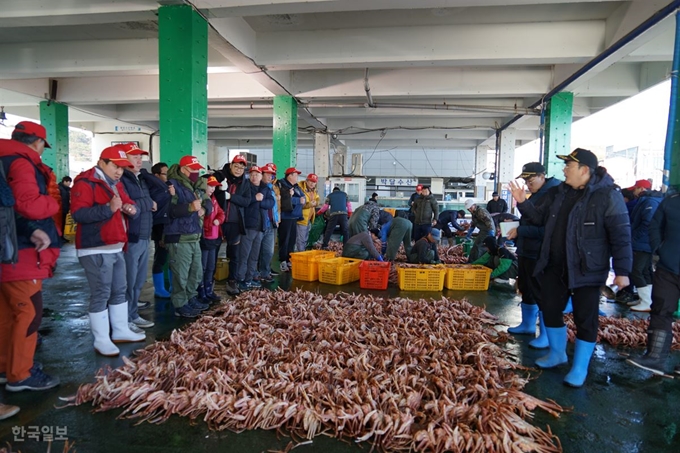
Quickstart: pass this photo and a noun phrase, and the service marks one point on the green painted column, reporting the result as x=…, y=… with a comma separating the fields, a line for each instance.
x=54, y=118
x=557, y=132
x=183, y=65
x=285, y=133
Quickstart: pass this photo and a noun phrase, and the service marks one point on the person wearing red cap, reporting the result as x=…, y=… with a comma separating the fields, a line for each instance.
x=260, y=201
x=586, y=228
x=640, y=218
x=102, y=209
x=183, y=234
x=139, y=235
x=271, y=223
x=292, y=201
x=210, y=243
x=36, y=214
x=308, y=186
x=233, y=197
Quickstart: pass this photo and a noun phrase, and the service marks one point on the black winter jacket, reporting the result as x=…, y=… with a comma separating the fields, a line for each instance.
x=239, y=191
x=663, y=234
x=159, y=192
x=256, y=211
x=137, y=189
x=598, y=228
x=530, y=236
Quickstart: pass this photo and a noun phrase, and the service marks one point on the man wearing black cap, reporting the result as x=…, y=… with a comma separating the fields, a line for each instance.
x=528, y=238
x=496, y=204
x=586, y=222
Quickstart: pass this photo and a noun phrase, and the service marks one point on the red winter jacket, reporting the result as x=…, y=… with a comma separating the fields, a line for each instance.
x=97, y=225
x=39, y=207
x=210, y=230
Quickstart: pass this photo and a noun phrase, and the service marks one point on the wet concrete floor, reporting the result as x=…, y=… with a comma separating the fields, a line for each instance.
x=620, y=409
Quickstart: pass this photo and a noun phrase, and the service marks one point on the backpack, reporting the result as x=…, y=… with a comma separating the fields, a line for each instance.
x=9, y=247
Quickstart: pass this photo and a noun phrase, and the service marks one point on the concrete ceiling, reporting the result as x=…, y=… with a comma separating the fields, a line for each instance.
x=486, y=60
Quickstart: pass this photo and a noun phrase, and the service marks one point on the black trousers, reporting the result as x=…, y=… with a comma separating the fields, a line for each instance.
x=287, y=238
x=665, y=295
x=422, y=230
x=528, y=285
x=586, y=301
x=641, y=275
x=160, y=254
x=337, y=219
x=232, y=236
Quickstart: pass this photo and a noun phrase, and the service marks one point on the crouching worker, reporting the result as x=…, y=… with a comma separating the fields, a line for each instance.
x=425, y=249
x=362, y=246
x=101, y=208
x=398, y=232
x=500, y=260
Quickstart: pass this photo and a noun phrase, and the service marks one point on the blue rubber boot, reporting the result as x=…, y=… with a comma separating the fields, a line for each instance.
x=540, y=342
x=569, y=308
x=159, y=287
x=579, y=368
x=528, y=325
x=557, y=342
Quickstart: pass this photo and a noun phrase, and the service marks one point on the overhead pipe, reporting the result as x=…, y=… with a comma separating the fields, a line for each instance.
x=630, y=37
x=367, y=88
x=672, y=129
x=356, y=105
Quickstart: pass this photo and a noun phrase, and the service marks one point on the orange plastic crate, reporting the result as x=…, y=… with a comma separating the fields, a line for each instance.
x=374, y=275
x=430, y=278
x=306, y=264
x=470, y=277
x=339, y=271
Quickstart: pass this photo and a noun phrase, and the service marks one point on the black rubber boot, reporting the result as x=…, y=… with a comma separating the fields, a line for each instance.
x=658, y=348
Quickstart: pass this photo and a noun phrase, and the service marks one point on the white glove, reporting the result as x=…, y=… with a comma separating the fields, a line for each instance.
x=225, y=186
x=227, y=195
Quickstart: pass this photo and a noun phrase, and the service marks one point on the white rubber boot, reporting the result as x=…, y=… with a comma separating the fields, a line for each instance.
x=120, y=331
x=99, y=324
x=645, y=294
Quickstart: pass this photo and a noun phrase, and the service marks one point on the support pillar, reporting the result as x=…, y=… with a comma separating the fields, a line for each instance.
x=285, y=132
x=506, y=165
x=183, y=64
x=322, y=145
x=339, y=163
x=671, y=164
x=54, y=118
x=557, y=132
x=481, y=162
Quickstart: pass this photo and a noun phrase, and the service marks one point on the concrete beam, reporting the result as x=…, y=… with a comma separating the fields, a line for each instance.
x=444, y=82
x=481, y=44
x=54, y=59
x=31, y=12
x=223, y=8
x=103, y=57
x=133, y=89
x=650, y=35
x=628, y=16
x=624, y=79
